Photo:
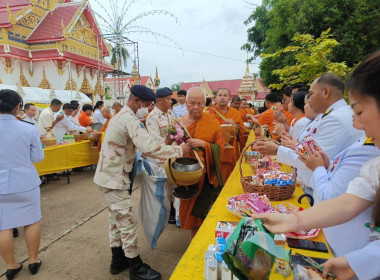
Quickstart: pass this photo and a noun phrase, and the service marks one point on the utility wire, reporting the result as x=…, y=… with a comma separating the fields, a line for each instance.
x=188, y=50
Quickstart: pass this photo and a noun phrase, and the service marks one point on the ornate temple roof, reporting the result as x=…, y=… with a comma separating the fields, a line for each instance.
x=50, y=28
x=70, y=29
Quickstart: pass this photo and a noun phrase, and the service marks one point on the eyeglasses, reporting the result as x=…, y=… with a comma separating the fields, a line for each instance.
x=21, y=105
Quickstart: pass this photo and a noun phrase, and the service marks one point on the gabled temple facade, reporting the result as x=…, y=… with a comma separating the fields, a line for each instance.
x=54, y=44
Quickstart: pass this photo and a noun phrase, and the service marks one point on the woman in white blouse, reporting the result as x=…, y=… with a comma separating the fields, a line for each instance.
x=98, y=117
x=362, y=192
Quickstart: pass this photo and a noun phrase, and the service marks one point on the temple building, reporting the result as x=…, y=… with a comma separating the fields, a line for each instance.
x=249, y=88
x=52, y=45
x=120, y=86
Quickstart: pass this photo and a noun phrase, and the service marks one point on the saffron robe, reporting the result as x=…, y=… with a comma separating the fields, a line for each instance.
x=230, y=155
x=207, y=128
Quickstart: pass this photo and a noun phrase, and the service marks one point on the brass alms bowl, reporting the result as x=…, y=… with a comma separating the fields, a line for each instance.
x=186, y=165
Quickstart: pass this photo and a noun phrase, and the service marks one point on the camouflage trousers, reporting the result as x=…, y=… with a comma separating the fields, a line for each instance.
x=123, y=226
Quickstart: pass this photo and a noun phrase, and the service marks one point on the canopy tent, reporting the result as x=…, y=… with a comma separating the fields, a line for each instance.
x=44, y=96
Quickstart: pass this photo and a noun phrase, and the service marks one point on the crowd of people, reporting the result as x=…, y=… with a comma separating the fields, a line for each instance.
x=341, y=179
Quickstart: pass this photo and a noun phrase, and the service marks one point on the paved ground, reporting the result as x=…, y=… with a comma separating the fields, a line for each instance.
x=74, y=239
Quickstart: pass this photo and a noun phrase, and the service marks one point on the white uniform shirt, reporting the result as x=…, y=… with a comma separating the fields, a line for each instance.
x=98, y=117
x=20, y=147
x=365, y=262
x=46, y=120
x=65, y=126
x=180, y=110
x=331, y=183
x=296, y=129
x=333, y=132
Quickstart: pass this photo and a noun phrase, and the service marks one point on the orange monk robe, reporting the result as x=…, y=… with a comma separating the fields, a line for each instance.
x=207, y=128
x=267, y=118
x=243, y=114
x=103, y=129
x=289, y=117
x=230, y=155
x=251, y=111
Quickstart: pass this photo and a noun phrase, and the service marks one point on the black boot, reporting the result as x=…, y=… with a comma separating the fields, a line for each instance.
x=119, y=261
x=142, y=271
x=172, y=215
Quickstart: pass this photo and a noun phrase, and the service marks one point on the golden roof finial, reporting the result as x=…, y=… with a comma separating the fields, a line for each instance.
x=247, y=70
x=44, y=83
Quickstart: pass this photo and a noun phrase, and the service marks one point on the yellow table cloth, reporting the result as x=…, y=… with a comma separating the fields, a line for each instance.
x=191, y=265
x=64, y=157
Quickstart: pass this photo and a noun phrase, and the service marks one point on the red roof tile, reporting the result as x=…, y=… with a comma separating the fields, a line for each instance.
x=76, y=58
x=261, y=95
x=50, y=28
x=232, y=85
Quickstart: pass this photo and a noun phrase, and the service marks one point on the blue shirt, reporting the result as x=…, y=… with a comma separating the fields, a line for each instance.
x=180, y=110
x=20, y=146
x=331, y=183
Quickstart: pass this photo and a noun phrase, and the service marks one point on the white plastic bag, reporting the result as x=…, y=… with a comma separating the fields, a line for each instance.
x=154, y=202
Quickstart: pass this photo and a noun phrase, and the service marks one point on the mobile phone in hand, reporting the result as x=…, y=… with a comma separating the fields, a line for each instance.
x=307, y=245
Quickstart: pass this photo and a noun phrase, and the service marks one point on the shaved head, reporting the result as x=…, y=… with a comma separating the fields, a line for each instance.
x=106, y=113
x=196, y=91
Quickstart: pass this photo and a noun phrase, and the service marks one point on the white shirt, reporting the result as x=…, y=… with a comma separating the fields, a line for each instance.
x=46, y=120
x=295, y=130
x=65, y=126
x=365, y=262
x=180, y=110
x=28, y=119
x=331, y=183
x=98, y=117
x=366, y=185
x=333, y=132
x=20, y=147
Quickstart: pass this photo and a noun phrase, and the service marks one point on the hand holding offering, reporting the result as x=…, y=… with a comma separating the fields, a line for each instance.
x=265, y=147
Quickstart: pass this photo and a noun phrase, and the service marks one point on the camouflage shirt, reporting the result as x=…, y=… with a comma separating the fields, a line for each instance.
x=125, y=134
x=157, y=124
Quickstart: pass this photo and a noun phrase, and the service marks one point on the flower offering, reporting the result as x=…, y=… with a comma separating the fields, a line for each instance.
x=177, y=132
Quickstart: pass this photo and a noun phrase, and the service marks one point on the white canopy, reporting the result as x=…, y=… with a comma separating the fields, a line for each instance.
x=41, y=96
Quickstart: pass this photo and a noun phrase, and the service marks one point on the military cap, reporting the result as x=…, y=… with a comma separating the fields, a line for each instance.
x=162, y=92
x=143, y=92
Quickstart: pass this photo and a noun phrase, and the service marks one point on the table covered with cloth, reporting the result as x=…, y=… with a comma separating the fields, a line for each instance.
x=63, y=157
x=191, y=265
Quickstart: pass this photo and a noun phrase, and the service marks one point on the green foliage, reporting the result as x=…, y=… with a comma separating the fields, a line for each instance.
x=107, y=90
x=176, y=86
x=312, y=60
x=119, y=55
x=355, y=24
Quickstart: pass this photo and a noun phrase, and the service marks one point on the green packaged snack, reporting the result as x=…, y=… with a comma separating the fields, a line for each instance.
x=251, y=251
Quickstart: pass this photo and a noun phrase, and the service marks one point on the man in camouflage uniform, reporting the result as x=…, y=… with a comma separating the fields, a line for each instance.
x=157, y=124
x=125, y=134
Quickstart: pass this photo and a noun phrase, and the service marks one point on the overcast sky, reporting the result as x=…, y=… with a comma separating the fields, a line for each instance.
x=208, y=26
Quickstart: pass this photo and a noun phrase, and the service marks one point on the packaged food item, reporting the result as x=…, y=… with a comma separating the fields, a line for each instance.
x=245, y=205
x=223, y=228
x=212, y=269
x=300, y=273
x=309, y=142
x=226, y=272
x=251, y=251
x=282, y=267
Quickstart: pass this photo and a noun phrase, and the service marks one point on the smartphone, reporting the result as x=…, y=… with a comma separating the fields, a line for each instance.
x=294, y=260
x=307, y=245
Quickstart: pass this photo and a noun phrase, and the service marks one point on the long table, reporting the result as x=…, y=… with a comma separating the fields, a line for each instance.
x=191, y=265
x=63, y=157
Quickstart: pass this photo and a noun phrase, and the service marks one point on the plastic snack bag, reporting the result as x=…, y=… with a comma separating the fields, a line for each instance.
x=251, y=251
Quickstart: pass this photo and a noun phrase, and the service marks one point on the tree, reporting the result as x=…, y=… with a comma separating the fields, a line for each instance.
x=176, y=86
x=354, y=23
x=312, y=60
x=119, y=55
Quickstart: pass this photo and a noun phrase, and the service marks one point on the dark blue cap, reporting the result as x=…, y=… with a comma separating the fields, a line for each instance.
x=162, y=92
x=143, y=92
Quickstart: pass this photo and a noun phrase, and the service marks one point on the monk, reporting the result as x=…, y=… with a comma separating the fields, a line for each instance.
x=229, y=115
x=206, y=135
x=246, y=107
x=106, y=113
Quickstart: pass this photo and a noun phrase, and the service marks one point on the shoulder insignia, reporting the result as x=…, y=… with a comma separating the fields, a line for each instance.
x=27, y=122
x=142, y=125
x=327, y=112
x=368, y=142
x=176, y=104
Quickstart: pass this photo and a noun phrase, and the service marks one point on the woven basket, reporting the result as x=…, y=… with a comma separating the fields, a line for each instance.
x=272, y=192
x=81, y=137
x=48, y=142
